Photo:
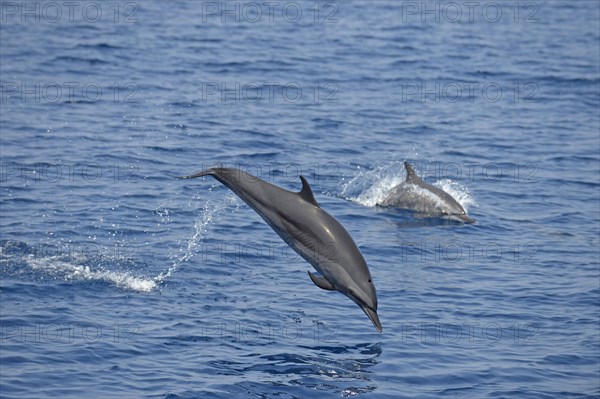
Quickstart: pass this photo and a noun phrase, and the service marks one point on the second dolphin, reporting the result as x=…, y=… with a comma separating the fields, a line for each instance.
x=416, y=195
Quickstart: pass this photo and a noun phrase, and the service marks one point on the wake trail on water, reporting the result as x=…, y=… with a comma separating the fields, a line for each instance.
x=73, y=271
x=18, y=259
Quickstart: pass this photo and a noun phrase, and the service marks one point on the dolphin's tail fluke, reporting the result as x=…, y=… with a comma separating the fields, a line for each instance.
x=232, y=178
x=206, y=172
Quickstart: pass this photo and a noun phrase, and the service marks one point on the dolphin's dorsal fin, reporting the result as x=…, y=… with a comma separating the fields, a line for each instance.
x=411, y=175
x=306, y=192
x=321, y=282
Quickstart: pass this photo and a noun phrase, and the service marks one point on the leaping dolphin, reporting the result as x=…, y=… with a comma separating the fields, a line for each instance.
x=416, y=195
x=313, y=233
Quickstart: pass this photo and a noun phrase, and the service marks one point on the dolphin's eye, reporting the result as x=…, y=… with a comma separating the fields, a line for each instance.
x=369, y=280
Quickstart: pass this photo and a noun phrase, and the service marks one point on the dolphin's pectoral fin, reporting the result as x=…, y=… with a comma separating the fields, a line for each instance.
x=411, y=175
x=306, y=192
x=321, y=282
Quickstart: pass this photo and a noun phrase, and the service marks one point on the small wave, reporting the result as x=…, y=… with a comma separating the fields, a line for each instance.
x=99, y=46
x=72, y=59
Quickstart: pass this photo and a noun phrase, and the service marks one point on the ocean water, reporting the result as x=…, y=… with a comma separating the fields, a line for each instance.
x=119, y=280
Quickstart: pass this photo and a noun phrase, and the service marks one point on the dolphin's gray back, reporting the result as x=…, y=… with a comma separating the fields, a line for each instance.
x=444, y=196
x=413, y=178
x=319, y=239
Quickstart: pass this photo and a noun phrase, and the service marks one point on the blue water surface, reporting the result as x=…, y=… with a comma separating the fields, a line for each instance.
x=119, y=280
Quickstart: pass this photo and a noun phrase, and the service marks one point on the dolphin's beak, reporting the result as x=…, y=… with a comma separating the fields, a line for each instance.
x=370, y=311
x=464, y=218
x=373, y=316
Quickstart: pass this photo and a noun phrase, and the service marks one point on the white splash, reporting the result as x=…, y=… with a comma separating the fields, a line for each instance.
x=70, y=270
x=212, y=210
x=458, y=191
x=378, y=191
x=371, y=187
